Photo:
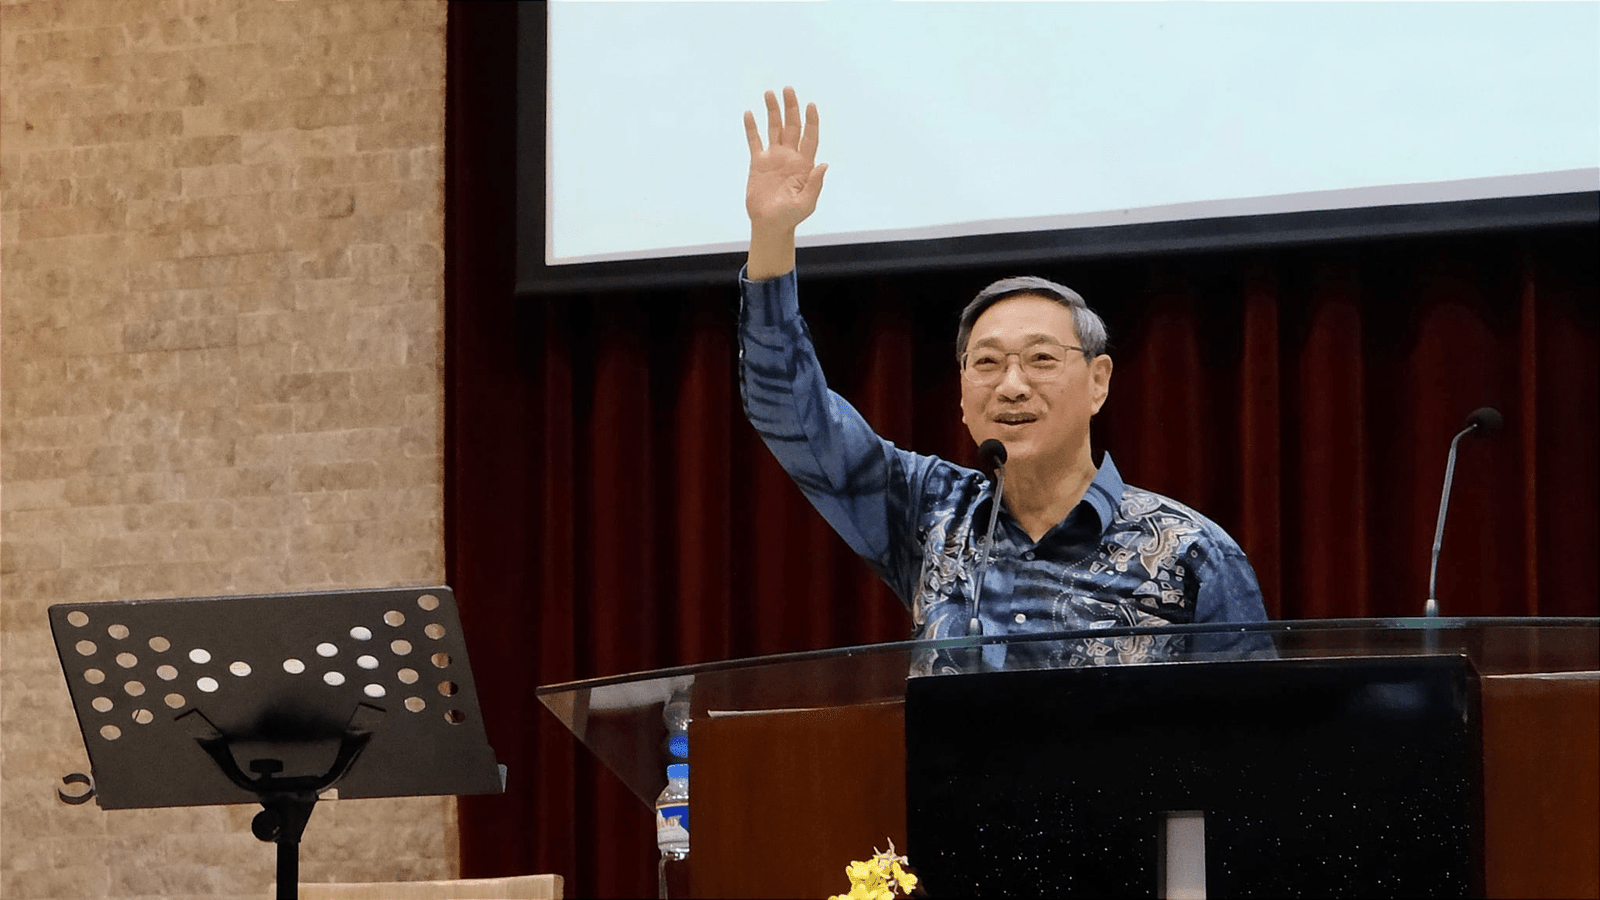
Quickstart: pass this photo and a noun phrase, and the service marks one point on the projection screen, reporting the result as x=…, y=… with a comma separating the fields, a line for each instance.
x=964, y=132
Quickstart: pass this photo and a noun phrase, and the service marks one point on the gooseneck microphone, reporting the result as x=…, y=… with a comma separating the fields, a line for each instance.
x=993, y=454
x=1485, y=421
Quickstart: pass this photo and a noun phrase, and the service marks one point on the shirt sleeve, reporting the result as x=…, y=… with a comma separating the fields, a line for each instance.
x=859, y=482
x=1229, y=593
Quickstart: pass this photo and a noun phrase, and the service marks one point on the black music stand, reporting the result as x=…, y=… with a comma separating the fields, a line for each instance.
x=366, y=691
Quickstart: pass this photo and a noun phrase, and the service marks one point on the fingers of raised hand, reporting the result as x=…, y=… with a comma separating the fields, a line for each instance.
x=813, y=188
x=791, y=118
x=774, y=120
x=751, y=134
x=784, y=127
x=808, y=141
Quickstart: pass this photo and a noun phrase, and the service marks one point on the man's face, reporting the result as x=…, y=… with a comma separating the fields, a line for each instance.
x=1038, y=421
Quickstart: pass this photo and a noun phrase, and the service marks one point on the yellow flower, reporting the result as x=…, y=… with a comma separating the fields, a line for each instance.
x=886, y=857
x=859, y=891
x=878, y=878
x=906, y=880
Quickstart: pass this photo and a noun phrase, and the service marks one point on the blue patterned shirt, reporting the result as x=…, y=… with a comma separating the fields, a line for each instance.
x=1122, y=557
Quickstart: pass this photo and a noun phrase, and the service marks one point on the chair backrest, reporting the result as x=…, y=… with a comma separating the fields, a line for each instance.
x=518, y=887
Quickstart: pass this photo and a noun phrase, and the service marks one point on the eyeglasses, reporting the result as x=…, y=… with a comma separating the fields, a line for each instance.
x=1041, y=361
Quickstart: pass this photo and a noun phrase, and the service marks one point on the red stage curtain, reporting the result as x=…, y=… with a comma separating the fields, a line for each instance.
x=610, y=511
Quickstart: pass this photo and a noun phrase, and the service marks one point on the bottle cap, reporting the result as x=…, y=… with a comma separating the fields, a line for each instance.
x=678, y=770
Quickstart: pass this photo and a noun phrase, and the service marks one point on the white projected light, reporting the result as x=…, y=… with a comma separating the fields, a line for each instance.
x=947, y=119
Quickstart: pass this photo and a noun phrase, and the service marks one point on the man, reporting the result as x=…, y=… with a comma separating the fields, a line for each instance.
x=1074, y=547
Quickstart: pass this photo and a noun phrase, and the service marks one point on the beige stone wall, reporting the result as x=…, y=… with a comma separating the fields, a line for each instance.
x=221, y=229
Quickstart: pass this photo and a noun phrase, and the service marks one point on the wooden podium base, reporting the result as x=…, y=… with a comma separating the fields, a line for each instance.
x=1541, y=785
x=784, y=800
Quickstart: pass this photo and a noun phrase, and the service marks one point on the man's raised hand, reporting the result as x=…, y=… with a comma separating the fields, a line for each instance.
x=784, y=182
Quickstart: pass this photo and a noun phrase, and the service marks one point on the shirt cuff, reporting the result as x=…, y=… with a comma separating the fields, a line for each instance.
x=770, y=302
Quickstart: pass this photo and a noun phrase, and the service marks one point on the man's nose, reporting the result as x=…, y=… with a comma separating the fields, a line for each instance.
x=1014, y=383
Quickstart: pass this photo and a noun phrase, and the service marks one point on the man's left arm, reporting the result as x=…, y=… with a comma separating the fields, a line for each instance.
x=1229, y=594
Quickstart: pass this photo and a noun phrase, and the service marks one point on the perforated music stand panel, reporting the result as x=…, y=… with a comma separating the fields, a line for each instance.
x=280, y=676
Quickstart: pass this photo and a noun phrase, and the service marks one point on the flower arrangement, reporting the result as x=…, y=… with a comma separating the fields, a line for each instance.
x=883, y=877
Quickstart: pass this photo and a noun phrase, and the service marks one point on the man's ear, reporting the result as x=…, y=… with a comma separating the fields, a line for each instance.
x=1100, y=378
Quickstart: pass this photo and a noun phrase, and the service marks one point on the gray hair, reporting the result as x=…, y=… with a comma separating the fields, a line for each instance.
x=1090, y=327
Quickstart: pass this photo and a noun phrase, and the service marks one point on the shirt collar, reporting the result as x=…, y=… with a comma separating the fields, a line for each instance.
x=1104, y=496
x=1105, y=492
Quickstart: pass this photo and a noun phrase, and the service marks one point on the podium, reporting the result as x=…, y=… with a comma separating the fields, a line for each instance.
x=1414, y=757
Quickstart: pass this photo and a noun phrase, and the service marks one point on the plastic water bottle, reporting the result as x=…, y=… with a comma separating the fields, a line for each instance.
x=672, y=832
x=672, y=814
x=672, y=807
x=676, y=717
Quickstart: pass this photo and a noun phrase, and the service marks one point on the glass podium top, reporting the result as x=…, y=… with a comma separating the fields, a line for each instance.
x=619, y=718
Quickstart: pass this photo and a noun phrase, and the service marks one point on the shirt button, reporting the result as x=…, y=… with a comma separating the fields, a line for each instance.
x=1028, y=555
x=1020, y=618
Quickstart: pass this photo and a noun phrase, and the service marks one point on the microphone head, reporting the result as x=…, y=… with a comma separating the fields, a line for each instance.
x=1486, y=419
x=993, y=453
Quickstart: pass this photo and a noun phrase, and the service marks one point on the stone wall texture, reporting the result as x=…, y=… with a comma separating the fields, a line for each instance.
x=221, y=270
